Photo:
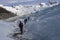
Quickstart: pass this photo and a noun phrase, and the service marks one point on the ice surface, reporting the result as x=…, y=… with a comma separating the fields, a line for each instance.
x=5, y=29
x=45, y=24
x=42, y=25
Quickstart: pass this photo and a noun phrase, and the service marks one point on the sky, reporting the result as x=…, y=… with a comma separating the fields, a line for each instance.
x=23, y=2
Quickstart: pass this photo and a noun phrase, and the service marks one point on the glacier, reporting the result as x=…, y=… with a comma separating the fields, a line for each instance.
x=41, y=25
x=5, y=29
x=44, y=25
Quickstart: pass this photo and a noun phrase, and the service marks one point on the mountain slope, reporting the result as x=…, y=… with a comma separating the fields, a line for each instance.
x=44, y=25
x=2, y=10
x=41, y=25
x=4, y=14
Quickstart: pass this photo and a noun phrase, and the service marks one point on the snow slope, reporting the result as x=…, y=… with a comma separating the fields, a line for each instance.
x=6, y=28
x=44, y=25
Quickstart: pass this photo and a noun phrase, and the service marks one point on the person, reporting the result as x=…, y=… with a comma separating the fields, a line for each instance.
x=21, y=27
x=25, y=20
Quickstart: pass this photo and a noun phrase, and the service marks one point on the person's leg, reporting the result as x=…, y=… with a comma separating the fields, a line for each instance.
x=21, y=29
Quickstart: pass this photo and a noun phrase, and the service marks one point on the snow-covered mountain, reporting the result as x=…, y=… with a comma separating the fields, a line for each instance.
x=27, y=9
x=24, y=9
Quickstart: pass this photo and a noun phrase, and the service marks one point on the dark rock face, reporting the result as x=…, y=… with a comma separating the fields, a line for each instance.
x=2, y=10
x=4, y=14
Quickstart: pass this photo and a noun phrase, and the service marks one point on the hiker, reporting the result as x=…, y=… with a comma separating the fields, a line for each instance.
x=26, y=19
x=21, y=27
